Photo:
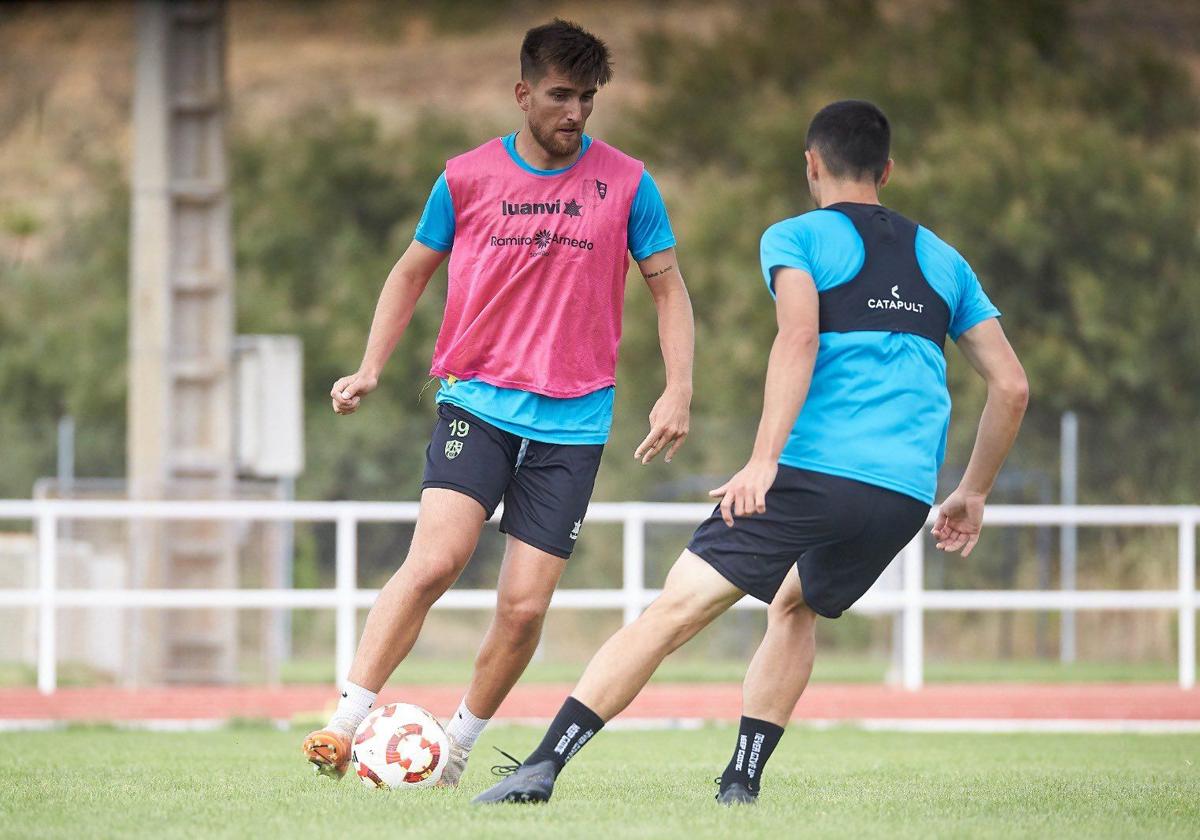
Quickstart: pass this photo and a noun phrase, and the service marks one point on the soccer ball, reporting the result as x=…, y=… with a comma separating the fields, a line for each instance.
x=399, y=746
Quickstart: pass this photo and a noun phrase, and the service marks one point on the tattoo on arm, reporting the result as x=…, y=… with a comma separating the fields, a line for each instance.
x=654, y=274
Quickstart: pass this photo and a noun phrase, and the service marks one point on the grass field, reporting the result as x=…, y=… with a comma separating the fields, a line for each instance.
x=252, y=782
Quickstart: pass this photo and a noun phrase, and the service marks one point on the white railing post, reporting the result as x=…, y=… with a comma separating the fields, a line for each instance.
x=47, y=659
x=1187, y=602
x=633, y=564
x=914, y=612
x=346, y=623
x=46, y=597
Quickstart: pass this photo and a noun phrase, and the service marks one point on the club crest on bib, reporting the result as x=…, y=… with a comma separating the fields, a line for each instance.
x=453, y=449
x=594, y=191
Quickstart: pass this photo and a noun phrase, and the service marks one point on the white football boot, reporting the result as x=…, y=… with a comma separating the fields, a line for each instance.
x=455, y=766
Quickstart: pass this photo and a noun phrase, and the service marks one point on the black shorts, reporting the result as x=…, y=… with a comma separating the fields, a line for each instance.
x=546, y=487
x=841, y=534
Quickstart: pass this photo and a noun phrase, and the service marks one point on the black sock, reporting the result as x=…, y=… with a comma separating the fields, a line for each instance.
x=573, y=726
x=756, y=741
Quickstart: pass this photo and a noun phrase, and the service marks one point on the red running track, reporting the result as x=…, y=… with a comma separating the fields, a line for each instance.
x=1098, y=702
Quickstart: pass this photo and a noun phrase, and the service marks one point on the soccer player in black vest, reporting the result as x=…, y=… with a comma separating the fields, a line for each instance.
x=844, y=465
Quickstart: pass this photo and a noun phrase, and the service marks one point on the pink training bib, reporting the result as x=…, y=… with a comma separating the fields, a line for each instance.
x=537, y=271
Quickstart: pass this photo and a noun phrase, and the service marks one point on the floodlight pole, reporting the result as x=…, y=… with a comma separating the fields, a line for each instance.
x=181, y=334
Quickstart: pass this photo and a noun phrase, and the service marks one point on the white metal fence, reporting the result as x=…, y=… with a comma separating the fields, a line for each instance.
x=912, y=601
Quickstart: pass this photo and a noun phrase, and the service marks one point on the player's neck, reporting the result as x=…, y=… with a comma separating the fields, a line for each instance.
x=537, y=156
x=852, y=192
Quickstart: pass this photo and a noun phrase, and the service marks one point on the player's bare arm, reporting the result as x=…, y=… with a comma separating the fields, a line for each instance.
x=676, y=336
x=789, y=373
x=960, y=517
x=403, y=288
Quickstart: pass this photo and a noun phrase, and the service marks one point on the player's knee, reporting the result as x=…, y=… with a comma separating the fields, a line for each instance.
x=792, y=611
x=678, y=618
x=429, y=580
x=521, y=617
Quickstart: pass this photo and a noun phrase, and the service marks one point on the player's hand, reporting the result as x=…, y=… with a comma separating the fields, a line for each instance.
x=746, y=492
x=668, y=425
x=348, y=391
x=959, y=521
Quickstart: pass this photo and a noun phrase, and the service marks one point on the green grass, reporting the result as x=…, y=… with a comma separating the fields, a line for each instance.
x=69, y=674
x=247, y=782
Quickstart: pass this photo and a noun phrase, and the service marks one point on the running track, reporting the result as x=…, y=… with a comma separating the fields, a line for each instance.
x=719, y=702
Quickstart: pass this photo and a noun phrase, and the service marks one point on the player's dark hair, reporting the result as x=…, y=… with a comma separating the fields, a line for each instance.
x=853, y=137
x=567, y=48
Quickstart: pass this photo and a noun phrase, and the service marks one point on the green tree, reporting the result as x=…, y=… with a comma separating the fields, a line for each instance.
x=322, y=212
x=63, y=343
x=1067, y=174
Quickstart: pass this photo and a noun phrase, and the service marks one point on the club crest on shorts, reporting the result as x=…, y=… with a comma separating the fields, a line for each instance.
x=453, y=449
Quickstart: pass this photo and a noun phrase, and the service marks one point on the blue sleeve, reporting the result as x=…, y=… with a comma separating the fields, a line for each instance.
x=649, y=228
x=436, y=228
x=783, y=245
x=973, y=304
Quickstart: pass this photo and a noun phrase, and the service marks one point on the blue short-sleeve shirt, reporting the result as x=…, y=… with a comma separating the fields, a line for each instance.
x=576, y=420
x=877, y=410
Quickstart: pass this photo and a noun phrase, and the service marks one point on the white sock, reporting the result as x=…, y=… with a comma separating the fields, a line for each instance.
x=355, y=704
x=464, y=727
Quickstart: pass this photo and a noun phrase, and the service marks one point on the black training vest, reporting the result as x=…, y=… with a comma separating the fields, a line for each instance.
x=889, y=293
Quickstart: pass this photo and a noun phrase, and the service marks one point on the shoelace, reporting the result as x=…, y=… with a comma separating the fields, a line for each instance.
x=506, y=769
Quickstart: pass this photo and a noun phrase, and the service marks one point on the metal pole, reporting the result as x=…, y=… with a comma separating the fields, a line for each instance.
x=1187, y=602
x=1068, y=545
x=633, y=565
x=287, y=575
x=346, y=623
x=66, y=454
x=47, y=670
x=66, y=463
x=914, y=615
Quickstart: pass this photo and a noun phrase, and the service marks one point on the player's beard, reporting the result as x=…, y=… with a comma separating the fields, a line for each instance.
x=552, y=142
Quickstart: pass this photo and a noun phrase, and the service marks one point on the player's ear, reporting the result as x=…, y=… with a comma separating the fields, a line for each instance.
x=523, y=93
x=813, y=164
x=887, y=173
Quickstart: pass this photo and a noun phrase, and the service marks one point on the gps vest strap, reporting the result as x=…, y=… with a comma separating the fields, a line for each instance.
x=889, y=293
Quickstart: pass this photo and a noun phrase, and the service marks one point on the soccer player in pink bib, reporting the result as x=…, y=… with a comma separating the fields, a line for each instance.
x=539, y=227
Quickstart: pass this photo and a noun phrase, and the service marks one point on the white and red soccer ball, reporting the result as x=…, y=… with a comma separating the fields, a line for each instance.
x=399, y=746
